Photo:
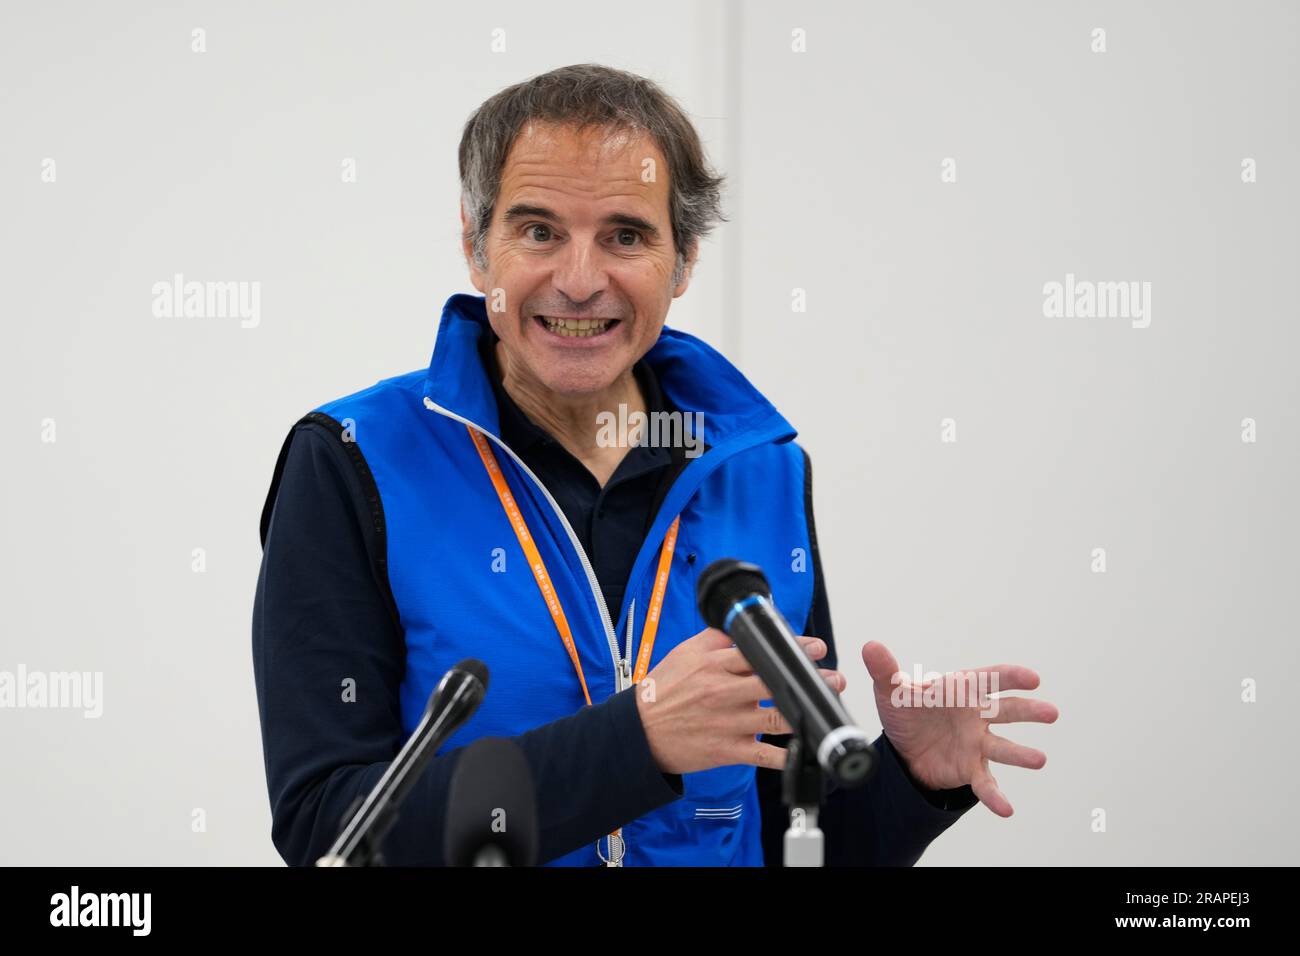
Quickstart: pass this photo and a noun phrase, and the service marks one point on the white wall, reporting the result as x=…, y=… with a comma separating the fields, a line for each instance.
x=924, y=302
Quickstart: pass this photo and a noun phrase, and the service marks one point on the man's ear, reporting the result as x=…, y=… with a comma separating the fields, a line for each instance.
x=476, y=275
x=689, y=267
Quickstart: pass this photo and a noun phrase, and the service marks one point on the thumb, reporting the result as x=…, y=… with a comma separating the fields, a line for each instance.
x=881, y=664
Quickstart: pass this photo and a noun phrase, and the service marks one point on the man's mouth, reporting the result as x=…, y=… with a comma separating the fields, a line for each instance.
x=575, y=328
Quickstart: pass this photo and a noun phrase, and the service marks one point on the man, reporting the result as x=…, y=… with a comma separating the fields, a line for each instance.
x=484, y=507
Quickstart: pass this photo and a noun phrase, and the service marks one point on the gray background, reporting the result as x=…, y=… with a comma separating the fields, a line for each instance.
x=924, y=303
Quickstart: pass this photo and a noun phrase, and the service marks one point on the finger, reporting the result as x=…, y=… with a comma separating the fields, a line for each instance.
x=746, y=690
x=814, y=647
x=768, y=720
x=881, y=664
x=1010, y=710
x=835, y=679
x=712, y=639
x=733, y=661
x=1001, y=750
x=764, y=720
x=985, y=787
x=1010, y=677
x=752, y=689
x=758, y=754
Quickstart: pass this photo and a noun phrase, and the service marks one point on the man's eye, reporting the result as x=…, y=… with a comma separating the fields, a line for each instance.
x=539, y=233
x=628, y=237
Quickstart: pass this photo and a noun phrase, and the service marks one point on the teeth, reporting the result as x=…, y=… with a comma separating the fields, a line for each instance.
x=576, y=328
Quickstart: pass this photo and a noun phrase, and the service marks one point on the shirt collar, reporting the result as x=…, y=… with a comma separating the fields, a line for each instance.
x=520, y=432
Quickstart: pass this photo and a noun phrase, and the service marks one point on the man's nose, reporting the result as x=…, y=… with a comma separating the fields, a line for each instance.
x=578, y=272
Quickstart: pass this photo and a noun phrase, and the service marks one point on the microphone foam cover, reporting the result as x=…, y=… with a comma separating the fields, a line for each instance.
x=493, y=803
x=723, y=583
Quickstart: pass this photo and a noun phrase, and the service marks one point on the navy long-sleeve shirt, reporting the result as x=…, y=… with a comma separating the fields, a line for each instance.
x=323, y=608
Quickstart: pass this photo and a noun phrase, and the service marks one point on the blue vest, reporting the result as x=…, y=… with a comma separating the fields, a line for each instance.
x=463, y=587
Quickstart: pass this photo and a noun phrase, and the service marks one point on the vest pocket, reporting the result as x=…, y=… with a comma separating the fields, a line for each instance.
x=717, y=797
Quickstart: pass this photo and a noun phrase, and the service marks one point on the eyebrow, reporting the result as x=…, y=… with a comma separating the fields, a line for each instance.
x=524, y=211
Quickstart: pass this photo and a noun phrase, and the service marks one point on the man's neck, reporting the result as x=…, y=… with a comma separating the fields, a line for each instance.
x=573, y=420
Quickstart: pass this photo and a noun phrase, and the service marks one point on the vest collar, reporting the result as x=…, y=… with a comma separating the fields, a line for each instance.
x=694, y=377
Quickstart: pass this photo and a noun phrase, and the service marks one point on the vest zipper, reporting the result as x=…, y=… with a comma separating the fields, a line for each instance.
x=623, y=666
x=622, y=680
x=627, y=655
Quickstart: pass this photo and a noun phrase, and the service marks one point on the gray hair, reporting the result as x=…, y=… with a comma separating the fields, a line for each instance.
x=589, y=95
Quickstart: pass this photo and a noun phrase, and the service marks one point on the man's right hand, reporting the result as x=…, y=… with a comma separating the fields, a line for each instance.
x=700, y=706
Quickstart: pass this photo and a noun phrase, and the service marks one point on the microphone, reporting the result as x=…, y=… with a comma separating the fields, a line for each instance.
x=452, y=702
x=492, y=809
x=735, y=598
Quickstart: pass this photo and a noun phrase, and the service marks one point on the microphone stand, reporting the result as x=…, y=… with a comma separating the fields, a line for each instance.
x=372, y=815
x=366, y=850
x=801, y=791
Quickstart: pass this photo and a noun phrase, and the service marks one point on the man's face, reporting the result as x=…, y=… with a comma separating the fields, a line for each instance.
x=580, y=232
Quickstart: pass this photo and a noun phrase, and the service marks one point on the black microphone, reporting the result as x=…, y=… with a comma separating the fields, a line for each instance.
x=452, y=702
x=735, y=598
x=492, y=810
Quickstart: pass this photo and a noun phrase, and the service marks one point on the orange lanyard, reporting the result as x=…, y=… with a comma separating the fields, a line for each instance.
x=552, y=600
x=543, y=578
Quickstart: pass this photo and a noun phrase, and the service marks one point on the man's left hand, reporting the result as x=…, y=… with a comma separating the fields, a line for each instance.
x=949, y=744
